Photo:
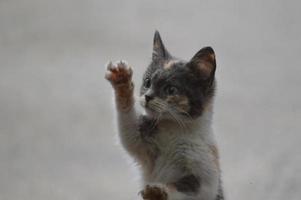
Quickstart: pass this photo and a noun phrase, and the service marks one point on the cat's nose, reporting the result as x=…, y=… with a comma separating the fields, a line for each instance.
x=148, y=98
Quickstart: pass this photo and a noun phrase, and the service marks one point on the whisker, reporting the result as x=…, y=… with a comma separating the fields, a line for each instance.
x=189, y=118
x=156, y=120
x=180, y=113
x=156, y=106
x=179, y=121
x=162, y=105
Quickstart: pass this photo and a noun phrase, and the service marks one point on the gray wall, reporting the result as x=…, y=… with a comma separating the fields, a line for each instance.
x=57, y=133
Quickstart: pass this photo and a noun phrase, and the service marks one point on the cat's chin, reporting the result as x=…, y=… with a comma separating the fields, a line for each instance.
x=147, y=110
x=151, y=113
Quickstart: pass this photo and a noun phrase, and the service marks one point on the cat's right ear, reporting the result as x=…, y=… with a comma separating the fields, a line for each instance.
x=203, y=64
x=159, y=50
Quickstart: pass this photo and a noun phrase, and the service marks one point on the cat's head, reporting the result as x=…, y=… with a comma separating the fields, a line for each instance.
x=174, y=88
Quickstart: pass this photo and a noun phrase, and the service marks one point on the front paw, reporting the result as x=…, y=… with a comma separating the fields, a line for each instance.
x=119, y=74
x=154, y=192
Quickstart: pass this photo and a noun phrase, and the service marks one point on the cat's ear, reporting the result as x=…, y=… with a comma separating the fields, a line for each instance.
x=159, y=50
x=203, y=64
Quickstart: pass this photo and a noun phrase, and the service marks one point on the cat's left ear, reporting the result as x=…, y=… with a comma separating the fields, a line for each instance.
x=159, y=50
x=203, y=64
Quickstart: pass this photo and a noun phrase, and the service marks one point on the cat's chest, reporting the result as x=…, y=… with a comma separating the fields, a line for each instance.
x=169, y=137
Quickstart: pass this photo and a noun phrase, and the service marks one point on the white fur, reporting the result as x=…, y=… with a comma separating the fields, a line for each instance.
x=176, y=145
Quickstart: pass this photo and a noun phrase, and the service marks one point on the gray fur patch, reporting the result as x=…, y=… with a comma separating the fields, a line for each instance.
x=146, y=126
x=188, y=184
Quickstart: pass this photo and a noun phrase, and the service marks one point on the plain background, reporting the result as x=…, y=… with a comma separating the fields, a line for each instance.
x=57, y=133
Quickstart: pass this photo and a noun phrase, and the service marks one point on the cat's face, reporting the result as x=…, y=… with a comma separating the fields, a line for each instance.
x=174, y=88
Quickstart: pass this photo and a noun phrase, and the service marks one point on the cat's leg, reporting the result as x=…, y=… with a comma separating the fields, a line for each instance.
x=187, y=188
x=120, y=76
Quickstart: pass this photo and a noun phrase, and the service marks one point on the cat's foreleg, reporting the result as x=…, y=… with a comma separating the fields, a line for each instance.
x=120, y=76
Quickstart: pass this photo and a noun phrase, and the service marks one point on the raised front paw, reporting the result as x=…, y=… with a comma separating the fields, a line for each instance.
x=154, y=192
x=119, y=73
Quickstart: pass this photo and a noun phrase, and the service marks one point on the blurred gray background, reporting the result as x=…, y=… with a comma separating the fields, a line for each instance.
x=57, y=133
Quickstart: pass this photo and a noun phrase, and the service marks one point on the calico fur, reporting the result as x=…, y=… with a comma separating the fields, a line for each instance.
x=170, y=134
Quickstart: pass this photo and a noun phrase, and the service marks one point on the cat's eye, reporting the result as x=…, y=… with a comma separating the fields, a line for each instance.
x=147, y=83
x=171, y=90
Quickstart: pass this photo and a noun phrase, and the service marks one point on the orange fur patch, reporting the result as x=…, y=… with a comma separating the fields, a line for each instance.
x=181, y=102
x=212, y=56
x=169, y=64
x=208, y=105
x=215, y=154
x=124, y=96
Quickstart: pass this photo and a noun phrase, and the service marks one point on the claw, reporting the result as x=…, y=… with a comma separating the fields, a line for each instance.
x=130, y=71
x=110, y=66
x=108, y=75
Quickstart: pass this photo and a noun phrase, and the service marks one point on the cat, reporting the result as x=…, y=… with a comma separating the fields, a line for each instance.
x=171, y=137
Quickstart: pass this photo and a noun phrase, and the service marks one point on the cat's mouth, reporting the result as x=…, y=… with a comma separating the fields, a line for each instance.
x=151, y=111
x=151, y=107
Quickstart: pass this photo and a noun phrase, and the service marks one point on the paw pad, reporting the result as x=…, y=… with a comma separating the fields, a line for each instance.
x=119, y=73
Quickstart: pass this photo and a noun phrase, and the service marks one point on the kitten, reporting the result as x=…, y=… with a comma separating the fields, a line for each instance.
x=171, y=137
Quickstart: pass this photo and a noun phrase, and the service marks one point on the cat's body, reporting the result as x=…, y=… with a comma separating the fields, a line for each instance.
x=172, y=138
